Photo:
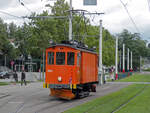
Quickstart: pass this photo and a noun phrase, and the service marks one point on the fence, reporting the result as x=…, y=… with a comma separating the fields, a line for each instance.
x=34, y=65
x=123, y=75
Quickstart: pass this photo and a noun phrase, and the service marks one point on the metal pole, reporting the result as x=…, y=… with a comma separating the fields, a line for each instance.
x=140, y=64
x=123, y=70
x=19, y=66
x=131, y=68
x=5, y=60
x=100, y=56
x=22, y=65
x=43, y=64
x=116, y=69
x=30, y=65
x=40, y=69
x=70, y=21
x=120, y=61
x=128, y=61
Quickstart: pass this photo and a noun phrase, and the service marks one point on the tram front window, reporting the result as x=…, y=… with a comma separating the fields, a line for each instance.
x=50, y=58
x=70, y=58
x=60, y=58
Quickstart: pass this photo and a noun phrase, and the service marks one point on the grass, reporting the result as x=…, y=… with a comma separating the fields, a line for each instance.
x=8, y=83
x=136, y=78
x=3, y=83
x=19, y=82
x=147, y=69
x=40, y=80
x=138, y=105
x=108, y=103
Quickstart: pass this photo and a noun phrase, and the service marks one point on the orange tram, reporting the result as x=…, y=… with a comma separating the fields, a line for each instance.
x=71, y=70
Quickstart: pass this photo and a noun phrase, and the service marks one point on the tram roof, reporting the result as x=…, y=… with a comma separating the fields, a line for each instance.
x=85, y=49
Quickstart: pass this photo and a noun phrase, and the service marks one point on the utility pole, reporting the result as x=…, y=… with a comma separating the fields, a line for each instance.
x=120, y=61
x=128, y=70
x=5, y=60
x=128, y=61
x=123, y=70
x=43, y=63
x=131, y=68
x=70, y=21
x=100, y=69
x=116, y=69
x=140, y=64
x=100, y=55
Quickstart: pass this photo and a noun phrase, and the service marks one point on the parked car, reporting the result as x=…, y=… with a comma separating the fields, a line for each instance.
x=5, y=72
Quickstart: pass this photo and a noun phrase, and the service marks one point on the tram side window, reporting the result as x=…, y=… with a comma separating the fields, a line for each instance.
x=78, y=58
x=60, y=58
x=50, y=58
x=70, y=58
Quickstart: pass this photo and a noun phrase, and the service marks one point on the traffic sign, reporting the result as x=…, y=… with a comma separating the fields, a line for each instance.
x=89, y=2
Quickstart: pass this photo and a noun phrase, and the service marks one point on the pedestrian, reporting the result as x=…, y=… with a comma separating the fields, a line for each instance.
x=16, y=77
x=112, y=73
x=23, y=78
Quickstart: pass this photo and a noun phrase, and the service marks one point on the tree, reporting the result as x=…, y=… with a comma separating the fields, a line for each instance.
x=44, y=30
x=3, y=33
x=35, y=36
x=12, y=29
x=6, y=48
x=23, y=35
x=134, y=42
x=108, y=47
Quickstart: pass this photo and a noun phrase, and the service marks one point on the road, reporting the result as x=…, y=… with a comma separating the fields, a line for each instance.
x=35, y=99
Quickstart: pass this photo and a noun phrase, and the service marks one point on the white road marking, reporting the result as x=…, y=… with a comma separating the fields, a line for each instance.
x=15, y=102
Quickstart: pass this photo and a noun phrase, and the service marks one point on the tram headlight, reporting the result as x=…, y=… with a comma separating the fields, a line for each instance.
x=59, y=79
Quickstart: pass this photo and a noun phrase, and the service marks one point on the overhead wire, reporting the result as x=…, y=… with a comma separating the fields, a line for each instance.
x=78, y=25
x=6, y=13
x=22, y=3
x=86, y=31
x=124, y=5
x=9, y=14
x=19, y=17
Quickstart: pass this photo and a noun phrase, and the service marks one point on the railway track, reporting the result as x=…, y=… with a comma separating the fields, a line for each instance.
x=36, y=100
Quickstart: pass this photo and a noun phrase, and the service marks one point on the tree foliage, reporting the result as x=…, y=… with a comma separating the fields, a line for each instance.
x=33, y=37
x=5, y=46
x=135, y=44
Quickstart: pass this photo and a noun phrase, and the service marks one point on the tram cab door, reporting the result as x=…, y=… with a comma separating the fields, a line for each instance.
x=79, y=66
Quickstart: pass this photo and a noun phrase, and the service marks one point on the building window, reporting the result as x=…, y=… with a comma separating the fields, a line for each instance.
x=70, y=58
x=50, y=58
x=60, y=58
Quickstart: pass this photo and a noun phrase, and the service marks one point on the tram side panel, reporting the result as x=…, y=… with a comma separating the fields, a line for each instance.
x=89, y=68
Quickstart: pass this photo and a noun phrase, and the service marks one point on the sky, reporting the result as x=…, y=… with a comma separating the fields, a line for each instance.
x=115, y=18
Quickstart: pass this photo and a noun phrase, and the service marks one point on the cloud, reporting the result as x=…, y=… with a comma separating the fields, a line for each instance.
x=115, y=19
x=5, y=3
x=15, y=8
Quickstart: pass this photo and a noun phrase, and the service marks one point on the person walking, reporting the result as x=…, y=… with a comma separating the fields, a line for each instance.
x=23, y=78
x=112, y=74
x=16, y=77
